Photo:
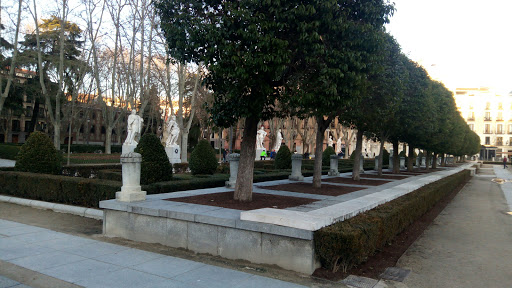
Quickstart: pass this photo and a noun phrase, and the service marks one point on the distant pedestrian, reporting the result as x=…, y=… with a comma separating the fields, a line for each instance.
x=224, y=154
x=263, y=155
x=505, y=162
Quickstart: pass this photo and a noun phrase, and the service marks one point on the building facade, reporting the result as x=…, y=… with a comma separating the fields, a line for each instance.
x=489, y=114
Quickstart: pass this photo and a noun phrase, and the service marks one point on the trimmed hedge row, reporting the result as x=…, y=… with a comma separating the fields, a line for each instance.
x=9, y=151
x=348, y=243
x=58, y=189
x=90, y=148
x=85, y=171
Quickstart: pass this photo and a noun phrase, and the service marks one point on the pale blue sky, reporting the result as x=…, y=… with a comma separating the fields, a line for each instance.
x=468, y=41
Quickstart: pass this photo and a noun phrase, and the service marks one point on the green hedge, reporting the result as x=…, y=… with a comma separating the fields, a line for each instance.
x=111, y=174
x=58, y=189
x=9, y=151
x=90, y=148
x=85, y=171
x=348, y=243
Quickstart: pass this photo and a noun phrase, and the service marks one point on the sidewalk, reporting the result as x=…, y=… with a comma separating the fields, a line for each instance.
x=91, y=263
x=469, y=243
x=7, y=163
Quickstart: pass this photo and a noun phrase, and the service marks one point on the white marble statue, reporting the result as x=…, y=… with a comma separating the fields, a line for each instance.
x=134, y=128
x=173, y=131
x=279, y=139
x=330, y=141
x=260, y=138
x=338, y=146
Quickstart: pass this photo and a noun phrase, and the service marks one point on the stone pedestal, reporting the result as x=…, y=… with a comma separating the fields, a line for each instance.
x=423, y=161
x=390, y=166
x=361, y=164
x=173, y=153
x=258, y=153
x=402, y=162
x=333, y=170
x=234, y=159
x=376, y=163
x=127, y=148
x=296, y=168
x=418, y=160
x=131, y=190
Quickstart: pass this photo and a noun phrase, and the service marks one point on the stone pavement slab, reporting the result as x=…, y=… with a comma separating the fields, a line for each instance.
x=90, y=263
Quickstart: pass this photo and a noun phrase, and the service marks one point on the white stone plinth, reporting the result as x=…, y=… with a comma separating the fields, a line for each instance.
x=173, y=153
x=296, y=168
x=131, y=190
x=402, y=162
x=127, y=148
x=258, y=153
x=423, y=161
x=234, y=159
x=376, y=163
x=361, y=164
x=333, y=170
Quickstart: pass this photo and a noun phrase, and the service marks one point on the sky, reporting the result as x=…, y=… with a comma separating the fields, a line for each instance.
x=462, y=43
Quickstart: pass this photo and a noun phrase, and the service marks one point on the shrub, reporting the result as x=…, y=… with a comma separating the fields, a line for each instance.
x=38, y=155
x=326, y=155
x=155, y=166
x=402, y=154
x=203, y=159
x=385, y=160
x=283, y=158
x=352, y=241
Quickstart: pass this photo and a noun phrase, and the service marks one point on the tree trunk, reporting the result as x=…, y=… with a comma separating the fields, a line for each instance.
x=381, y=156
x=434, y=161
x=56, y=135
x=443, y=160
x=427, y=159
x=184, y=146
x=244, y=180
x=108, y=140
x=317, y=173
x=396, y=158
x=35, y=115
x=357, y=156
x=410, y=158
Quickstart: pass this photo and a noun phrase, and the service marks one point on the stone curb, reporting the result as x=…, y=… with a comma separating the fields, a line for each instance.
x=61, y=208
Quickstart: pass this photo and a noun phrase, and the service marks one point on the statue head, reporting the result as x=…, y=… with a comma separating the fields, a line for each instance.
x=134, y=112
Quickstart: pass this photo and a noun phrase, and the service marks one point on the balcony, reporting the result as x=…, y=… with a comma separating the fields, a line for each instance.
x=487, y=132
x=499, y=132
x=499, y=119
x=487, y=118
x=499, y=143
x=472, y=119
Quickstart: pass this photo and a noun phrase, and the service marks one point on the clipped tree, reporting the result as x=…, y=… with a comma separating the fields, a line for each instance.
x=203, y=159
x=283, y=158
x=155, y=166
x=326, y=155
x=38, y=155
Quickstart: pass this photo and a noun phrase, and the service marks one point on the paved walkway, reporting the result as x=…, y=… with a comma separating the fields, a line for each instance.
x=90, y=263
x=469, y=243
x=7, y=163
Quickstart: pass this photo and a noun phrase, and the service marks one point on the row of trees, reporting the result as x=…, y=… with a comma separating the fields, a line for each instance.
x=101, y=54
x=310, y=59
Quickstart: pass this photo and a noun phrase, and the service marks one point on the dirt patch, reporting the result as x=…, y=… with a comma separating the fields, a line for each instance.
x=259, y=200
x=345, y=180
x=389, y=254
x=326, y=189
x=392, y=177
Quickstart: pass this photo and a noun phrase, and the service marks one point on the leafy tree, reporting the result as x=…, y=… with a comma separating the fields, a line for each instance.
x=283, y=158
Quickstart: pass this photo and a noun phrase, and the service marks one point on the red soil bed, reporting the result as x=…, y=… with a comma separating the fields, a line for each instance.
x=259, y=200
x=393, y=177
x=326, y=189
x=368, y=182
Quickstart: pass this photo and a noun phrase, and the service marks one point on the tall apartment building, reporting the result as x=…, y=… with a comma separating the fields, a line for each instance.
x=489, y=114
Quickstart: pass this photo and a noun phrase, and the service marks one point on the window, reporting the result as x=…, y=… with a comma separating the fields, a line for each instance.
x=500, y=106
x=500, y=116
x=487, y=128
x=487, y=116
x=471, y=116
x=509, y=128
x=488, y=106
x=472, y=127
x=499, y=129
x=15, y=125
x=27, y=125
x=487, y=140
x=499, y=141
